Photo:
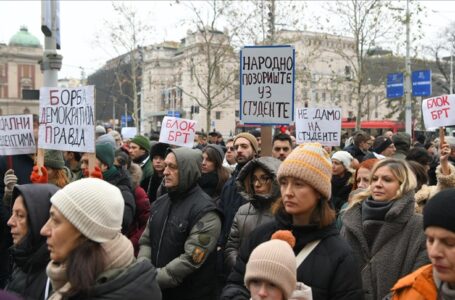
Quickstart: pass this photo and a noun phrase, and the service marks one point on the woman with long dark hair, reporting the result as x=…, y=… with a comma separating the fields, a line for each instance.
x=214, y=174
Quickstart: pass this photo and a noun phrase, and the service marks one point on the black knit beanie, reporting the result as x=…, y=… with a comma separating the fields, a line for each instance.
x=381, y=143
x=440, y=210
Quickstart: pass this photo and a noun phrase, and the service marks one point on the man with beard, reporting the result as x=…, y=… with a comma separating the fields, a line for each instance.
x=139, y=153
x=246, y=148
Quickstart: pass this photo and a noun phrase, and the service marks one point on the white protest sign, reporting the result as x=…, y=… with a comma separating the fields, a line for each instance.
x=176, y=131
x=267, y=85
x=129, y=132
x=16, y=135
x=67, y=119
x=438, y=111
x=321, y=125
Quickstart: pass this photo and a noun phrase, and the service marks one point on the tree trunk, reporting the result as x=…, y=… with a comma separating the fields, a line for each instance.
x=208, y=112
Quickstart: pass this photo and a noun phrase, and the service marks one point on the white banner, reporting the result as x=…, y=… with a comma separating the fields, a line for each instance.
x=67, y=119
x=176, y=131
x=321, y=125
x=16, y=135
x=267, y=84
x=438, y=111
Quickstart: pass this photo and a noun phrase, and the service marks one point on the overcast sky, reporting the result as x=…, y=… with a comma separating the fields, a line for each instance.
x=81, y=20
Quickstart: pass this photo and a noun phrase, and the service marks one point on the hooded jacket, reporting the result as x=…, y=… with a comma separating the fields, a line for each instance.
x=181, y=234
x=330, y=269
x=397, y=250
x=138, y=281
x=257, y=209
x=121, y=180
x=31, y=255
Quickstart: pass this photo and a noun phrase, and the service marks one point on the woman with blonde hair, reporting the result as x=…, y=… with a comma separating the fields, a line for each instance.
x=383, y=230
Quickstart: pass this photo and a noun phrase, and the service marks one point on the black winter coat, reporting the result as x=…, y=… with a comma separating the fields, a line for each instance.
x=138, y=281
x=31, y=256
x=121, y=180
x=330, y=269
x=230, y=202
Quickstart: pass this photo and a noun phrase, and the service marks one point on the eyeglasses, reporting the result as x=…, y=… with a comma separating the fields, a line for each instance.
x=262, y=180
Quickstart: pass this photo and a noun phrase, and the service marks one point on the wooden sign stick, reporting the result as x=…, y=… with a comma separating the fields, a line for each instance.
x=442, y=134
x=40, y=160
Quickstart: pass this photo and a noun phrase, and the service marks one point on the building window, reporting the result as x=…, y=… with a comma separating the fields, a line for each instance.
x=237, y=113
x=218, y=115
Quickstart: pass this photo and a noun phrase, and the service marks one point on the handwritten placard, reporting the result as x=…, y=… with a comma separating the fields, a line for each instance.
x=321, y=125
x=67, y=119
x=438, y=111
x=267, y=84
x=176, y=131
x=16, y=135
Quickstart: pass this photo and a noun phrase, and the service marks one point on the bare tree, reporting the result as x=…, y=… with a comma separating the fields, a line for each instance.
x=126, y=33
x=212, y=62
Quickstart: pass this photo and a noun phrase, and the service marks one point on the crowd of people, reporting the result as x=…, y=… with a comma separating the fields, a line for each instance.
x=374, y=219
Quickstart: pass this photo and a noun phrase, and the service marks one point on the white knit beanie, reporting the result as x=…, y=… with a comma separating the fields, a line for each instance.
x=94, y=206
x=345, y=158
x=273, y=261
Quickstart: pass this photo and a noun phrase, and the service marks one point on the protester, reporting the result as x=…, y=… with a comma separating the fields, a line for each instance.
x=380, y=223
x=329, y=269
x=270, y=272
x=445, y=174
x=421, y=175
x=435, y=280
x=181, y=234
x=117, y=177
x=72, y=162
x=382, y=147
x=139, y=150
x=246, y=148
x=281, y=146
x=421, y=156
x=117, y=138
x=341, y=178
x=142, y=207
x=90, y=258
x=214, y=175
x=157, y=154
x=99, y=130
x=31, y=203
x=13, y=169
x=229, y=158
x=402, y=142
x=54, y=170
x=258, y=185
x=361, y=183
x=360, y=147
x=201, y=140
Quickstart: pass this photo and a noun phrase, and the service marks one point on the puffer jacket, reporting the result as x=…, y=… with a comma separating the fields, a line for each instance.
x=257, y=209
x=330, y=269
x=427, y=192
x=31, y=255
x=398, y=249
x=418, y=285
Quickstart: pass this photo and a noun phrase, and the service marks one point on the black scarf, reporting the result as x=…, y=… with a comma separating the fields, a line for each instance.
x=208, y=182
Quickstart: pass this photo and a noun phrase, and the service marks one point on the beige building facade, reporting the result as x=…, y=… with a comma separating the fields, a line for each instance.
x=20, y=74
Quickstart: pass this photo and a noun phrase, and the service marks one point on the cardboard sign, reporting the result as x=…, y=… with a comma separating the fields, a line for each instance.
x=16, y=135
x=129, y=132
x=438, y=111
x=321, y=125
x=267, y=75
x=67, y=119
x=176, y=131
